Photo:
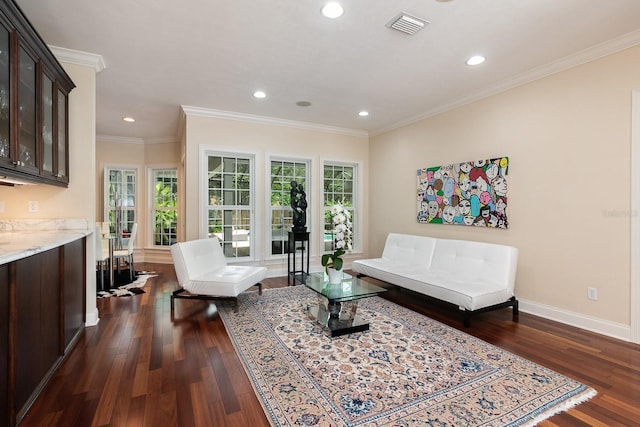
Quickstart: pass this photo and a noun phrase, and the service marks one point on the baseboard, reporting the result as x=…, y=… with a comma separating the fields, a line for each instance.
x=93, y=317
x=593, y=324
x=158, y=256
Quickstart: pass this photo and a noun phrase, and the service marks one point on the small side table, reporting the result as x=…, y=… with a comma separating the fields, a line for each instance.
x=298, y=242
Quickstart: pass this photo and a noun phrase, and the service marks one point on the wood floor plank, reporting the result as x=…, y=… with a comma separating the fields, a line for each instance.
x=86, y=415
x=200, y=406
x=218, y=414
x=225, y=384
x=123, y=402
x=138, y=367
x=168, y=370
x=185, y=412
x=136, y=413
x=140, y=380
x=211, y=388
x=109, y=392
x=167, y=415
x=93, y=383
x=587, y=419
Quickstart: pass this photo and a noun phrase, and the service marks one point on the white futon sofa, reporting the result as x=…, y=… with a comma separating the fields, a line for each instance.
x=475, y=276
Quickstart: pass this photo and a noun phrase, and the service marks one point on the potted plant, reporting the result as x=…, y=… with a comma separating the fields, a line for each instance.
x=333, y=262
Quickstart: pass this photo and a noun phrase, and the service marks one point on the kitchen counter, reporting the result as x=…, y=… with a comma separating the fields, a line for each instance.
x=21, y=239
x=43, y=294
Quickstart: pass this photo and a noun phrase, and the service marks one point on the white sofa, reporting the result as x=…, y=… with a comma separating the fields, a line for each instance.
x=475, y=276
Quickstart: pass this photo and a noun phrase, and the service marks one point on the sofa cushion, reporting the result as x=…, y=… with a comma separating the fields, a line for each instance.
x=227, y=281
x=408, y=249
x=476, y=262
x=196, y=257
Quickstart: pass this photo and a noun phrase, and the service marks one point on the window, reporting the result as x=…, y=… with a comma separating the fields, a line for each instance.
x=339, y=186
x=164, y=206
x=282, y=173
x=230, y=202
x=120, y=202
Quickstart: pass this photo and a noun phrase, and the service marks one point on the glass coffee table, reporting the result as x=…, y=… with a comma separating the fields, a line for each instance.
x=336, y=309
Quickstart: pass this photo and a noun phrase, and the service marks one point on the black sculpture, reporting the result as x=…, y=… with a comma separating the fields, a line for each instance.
x=299, y=206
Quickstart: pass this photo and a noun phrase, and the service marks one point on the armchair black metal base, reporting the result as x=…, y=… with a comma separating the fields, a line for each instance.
x=184, y=294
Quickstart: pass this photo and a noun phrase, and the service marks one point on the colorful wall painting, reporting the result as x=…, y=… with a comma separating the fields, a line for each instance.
x=469, y=193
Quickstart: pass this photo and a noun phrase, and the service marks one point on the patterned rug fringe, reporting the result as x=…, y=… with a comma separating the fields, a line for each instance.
x=407, y=370
x=571, y=403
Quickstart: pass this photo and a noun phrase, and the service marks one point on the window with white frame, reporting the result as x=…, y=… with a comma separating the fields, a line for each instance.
x=120, y=201
x=283, y=172
x=164, y=200
x=229, y=202
x=339, y=184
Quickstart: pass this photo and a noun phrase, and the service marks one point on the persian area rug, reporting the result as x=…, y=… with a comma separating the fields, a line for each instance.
x=407, y=370
x=130, y=289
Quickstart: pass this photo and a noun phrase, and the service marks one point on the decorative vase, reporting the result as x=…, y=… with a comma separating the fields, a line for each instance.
x=335, y=276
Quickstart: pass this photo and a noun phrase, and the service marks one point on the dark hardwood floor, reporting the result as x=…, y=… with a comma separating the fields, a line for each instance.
x=138, y=368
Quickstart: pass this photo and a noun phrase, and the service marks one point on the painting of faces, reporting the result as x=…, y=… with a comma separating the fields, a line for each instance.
x=470, y=193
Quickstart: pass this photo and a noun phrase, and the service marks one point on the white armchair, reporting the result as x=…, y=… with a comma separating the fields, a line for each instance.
x=203, y=273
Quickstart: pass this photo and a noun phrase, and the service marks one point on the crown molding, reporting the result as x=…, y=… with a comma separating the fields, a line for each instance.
x=79, y=58
x=590, y=54
x=119, y=139
x=129, y=140
x=160, y=140
x=250, y=118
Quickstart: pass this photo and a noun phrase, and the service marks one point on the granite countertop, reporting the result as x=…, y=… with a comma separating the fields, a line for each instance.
x=21, y=239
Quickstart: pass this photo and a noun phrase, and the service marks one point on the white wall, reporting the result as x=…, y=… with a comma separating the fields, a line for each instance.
x=568, y=140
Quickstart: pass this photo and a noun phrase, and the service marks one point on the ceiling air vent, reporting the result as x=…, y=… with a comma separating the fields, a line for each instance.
x=407, y=23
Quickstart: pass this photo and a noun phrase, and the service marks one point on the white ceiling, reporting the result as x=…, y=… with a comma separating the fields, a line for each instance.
x=214, y=54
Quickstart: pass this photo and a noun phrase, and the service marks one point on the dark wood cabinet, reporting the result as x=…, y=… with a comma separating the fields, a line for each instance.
x=74, y=290
x=42, y=313
x=37, y=342
x=4, y=342
x=34, y=91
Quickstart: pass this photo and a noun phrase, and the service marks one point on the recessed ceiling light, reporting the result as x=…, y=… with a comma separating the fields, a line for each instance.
x=363, y=113
x=129, y=119
x=259, y=94
x=332, y=10
x=476, y=60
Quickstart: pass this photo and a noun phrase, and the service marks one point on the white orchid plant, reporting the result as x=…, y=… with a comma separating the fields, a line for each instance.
x=341, y=220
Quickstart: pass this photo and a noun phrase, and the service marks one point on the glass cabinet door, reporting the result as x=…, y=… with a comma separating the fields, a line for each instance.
x=63, y=168
x=34, y=105
x=27, y=110
x=5, y=144
x=47, y=125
